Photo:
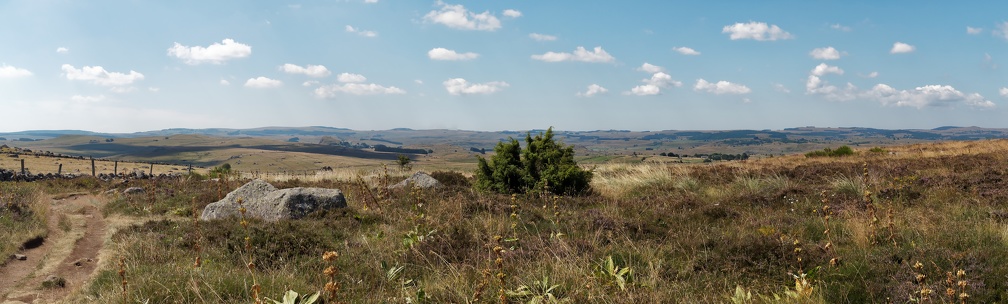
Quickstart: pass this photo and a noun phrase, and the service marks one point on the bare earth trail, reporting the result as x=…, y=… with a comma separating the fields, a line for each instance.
x=77, y=234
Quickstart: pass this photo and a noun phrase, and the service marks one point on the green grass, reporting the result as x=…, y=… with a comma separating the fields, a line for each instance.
x=22, y=216
x=689, y=235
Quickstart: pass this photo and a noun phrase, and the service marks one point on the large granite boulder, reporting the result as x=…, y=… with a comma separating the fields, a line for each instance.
x=420, y=180
x=263, y=201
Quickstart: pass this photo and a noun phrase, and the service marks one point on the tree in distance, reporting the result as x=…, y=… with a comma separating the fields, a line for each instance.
x=544, y=165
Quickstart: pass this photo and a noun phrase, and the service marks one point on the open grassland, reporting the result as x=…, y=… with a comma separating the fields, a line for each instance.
x=924, y=222
x=23, y=211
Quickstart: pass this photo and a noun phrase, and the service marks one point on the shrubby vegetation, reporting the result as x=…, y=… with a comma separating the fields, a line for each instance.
x=544, y=165
x=841, y=151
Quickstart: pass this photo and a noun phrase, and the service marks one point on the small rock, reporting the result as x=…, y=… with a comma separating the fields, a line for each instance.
x=20, y=257
x=53, y=281
x=133, y=190
x=420, y=180
x=80, y=262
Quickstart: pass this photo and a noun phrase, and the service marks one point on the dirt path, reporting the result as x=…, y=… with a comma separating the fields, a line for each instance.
x=77, y=233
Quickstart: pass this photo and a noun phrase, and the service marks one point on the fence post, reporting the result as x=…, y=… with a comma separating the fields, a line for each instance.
x=115, y=170
x=22, y=167
x=92, y=167
x=60, y=170
x=151, y=170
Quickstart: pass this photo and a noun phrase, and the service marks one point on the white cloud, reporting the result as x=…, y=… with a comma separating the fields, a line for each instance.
x=309, y=83
x=973, y=30
x=781, y=88
x=721, y=87
x=154, y=89
x=580, y=54
x=823, y=69
x=873, y=74
x=758, y=31
x=369, y=34
x=900, y=48
x=224, y=82
x=926, y=96
x=1003, y=92
x=650, y=68
x=216, y=53
x=310, y=70
x=418, y=81
x=350, y=78
x=446, y=54
x=370, y=1
x=644, y=90
x=263, y=83
x=593, y=89
x=840, y=27
x=826, y=53
x=62, y=50
x=663, y=80
x=542, y=37
x=685, y=50
x=1002, y=30
x=330, y=91
x=87, y=99
x=512, y=13
x=458, y=17
x=98, y=75
x=7, y=71
x=459, y=86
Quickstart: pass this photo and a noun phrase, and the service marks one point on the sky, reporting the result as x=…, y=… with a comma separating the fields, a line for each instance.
x=129, y=66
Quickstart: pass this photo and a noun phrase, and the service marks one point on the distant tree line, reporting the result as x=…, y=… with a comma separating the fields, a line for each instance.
x=384, y=148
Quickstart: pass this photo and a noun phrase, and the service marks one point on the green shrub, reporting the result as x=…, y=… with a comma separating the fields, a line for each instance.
x=544, y=164
x=841, y=151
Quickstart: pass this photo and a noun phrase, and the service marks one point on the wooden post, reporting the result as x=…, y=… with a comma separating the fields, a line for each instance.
x=151, y=170
x=115, y=170
x=60, y=171
x=92, y=167
x=190, y=169
x=22, y=167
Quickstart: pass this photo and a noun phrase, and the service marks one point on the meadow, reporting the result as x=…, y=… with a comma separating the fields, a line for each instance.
x=916, y=223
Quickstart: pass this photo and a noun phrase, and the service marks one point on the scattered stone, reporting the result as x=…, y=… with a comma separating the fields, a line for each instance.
x=420, y=179
x=262, y=200
x=133, y=190
x=110, y=192
x=53, y=281
x=80, y=262
x=20, y=257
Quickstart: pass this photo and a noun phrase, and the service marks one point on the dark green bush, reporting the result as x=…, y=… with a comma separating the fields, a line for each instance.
x=544, y=165
x=841, y=151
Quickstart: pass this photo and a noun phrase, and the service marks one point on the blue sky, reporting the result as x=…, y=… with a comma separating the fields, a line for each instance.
x=125, y=66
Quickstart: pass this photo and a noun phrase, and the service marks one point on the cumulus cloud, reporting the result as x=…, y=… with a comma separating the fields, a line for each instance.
x=512, y=13
x=1003, y=92
x=458, y=17
x=900, y=48
x=580, y=54
x=224, y=82
x=823, y=69
x=98, y=75
x=369, y=34
x=332, y=90
x=781, y=88
x=873, y=74
x=350, y=78
x=720, y=87
x=826, y=53
x=542, y=37
x=650, y=68
x=154, y=89
x=62, y=50
x=262, y=83
x=7, y=71
x=644, y=90
x=973, y=30
x=446, y=54
x=685, y=50
x=216, y=53
x=1002, y=30
x=660, y=79
x=593, y=89
x=840, y=27
x=926, y=96
x=121, y=90
x=759, y=31
x=370, y=1
x=310, y=70
x=309, y=83
x=459, y=86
